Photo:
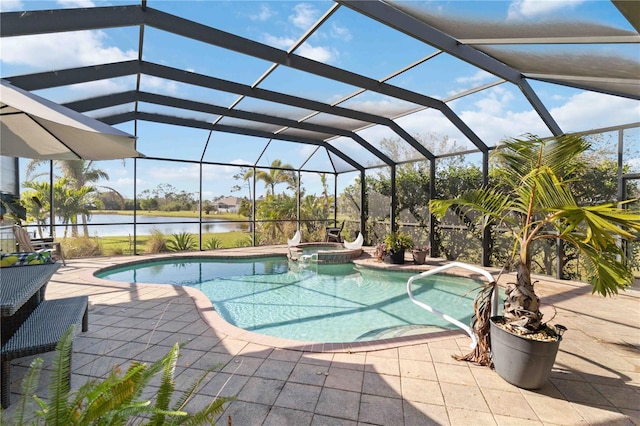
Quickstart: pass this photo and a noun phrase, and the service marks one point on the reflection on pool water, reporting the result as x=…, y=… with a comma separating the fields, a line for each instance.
x=314, y=303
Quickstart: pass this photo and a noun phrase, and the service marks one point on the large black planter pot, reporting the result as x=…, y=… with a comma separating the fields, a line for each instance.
x=524, y=363
x=395, y=257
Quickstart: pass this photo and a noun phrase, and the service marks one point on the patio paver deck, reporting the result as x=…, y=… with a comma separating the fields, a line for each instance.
x=411, y=381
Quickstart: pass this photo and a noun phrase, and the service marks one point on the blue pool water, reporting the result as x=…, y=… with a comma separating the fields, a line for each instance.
x=319, y=303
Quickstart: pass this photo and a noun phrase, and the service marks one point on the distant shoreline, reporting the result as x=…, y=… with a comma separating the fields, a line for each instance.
x=184, y=213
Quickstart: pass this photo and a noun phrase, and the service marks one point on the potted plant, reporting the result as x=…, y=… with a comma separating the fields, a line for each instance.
x=534, y=202
x=381, y=252
x=396, y=243
x=420, y=254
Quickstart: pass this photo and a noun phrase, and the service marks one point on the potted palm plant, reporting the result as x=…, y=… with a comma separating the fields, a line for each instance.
x=534, y=204
x=396, y=243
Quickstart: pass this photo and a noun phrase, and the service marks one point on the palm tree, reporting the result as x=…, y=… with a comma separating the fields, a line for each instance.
x=37, y=203
x=535, y=204
x=276, y=175
x=78, y=173
x=246, y=174
x=325, y=194
x=71, y=202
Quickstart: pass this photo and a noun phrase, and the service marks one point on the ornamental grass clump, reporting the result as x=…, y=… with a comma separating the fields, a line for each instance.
x=182, y=241
x=534, y=202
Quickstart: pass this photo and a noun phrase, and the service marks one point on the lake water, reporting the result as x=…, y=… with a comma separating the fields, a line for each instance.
x=109, y=225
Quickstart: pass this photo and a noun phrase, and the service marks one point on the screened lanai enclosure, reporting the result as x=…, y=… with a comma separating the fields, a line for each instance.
x=260, y=118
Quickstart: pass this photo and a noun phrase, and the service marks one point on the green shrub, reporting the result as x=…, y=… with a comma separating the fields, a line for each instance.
x=244, y=242
x=398, y=241
x=213, y=243
x=181, y=242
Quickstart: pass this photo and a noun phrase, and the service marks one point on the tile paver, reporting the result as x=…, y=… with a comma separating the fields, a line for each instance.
x=297, y=395
x=465, y=417
x=339, y=403
x=422, y=414
x=464, y=396
x=345, y=379
x=381, y=385
x=596, y=378
x=379, y=410
x=419, y=390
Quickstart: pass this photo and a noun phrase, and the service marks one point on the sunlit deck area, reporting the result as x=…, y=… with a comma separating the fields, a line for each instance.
x=407, y=381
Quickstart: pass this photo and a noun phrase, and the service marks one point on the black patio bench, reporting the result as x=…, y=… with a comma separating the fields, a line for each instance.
x=41, y=333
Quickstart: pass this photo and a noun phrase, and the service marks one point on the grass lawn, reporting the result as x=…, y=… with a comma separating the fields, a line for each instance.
x=124, y=244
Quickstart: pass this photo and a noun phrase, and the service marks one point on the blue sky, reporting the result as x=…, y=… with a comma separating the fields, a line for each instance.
x=347, y=40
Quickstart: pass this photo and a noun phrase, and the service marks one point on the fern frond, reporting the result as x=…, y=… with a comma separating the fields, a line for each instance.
x=58, y=409
x=186, y=396
x=206, y=415
x=167, y=386
x=24, y=411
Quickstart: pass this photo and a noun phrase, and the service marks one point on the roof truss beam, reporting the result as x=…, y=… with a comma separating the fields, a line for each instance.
x=187, y=122
x=85, y=74
x=133, y=96
x=63, y=20
x=632, y=39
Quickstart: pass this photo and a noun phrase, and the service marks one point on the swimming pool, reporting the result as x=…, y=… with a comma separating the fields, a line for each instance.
x=313, y=303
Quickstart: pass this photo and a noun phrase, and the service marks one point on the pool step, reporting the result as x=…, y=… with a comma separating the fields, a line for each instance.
x=400, y=331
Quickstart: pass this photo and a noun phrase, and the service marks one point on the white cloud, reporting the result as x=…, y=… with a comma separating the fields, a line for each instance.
x=527, y=9
x=62, y=50
x=469, y=82
x=10, y=5
x=76, y=3
x=124, y=182
x=590, y=110
x=479, y=77
x=167, y=86
x=262, y=15
x=188, y=171
x=305, y=150
x=304, y=16
x=496, y=116
x=100, y=87
x=241, y=162
x=341, y=33
x=317, y=53
x=495, y=102
x=280, y=42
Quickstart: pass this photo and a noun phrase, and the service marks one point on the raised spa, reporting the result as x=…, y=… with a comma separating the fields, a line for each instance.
x=323, y=253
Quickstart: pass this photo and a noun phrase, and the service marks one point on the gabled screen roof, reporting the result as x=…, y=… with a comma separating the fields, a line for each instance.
x=341, y=78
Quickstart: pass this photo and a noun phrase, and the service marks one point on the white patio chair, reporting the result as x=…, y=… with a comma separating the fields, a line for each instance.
x=297, y=237
x=355, y=244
